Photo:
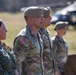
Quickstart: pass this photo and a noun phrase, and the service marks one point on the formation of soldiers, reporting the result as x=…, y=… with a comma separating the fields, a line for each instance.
x=36, y=52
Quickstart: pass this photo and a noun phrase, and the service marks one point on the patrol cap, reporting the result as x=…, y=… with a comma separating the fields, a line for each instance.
x=47, y=12
x=33, y=11
x=60, y=25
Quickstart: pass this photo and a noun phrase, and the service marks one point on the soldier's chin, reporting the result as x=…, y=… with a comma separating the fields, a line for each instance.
x=64, y=33
x=4, y=38
x=40, y=26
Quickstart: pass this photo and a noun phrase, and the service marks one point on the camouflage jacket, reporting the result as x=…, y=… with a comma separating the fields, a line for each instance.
x=7, y=62
x=47, y=51
x=60, y=52
x=28, y=49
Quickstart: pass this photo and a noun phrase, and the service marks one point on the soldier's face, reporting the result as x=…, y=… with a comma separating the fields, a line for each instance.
x=62, y=31
x=38, y=22
x=46, y=22
x=3, y=31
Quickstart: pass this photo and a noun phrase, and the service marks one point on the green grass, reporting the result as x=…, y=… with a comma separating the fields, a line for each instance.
x=15, y=22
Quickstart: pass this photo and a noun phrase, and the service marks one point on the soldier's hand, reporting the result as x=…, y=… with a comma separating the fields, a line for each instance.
x=16, y=72
x=57, y=73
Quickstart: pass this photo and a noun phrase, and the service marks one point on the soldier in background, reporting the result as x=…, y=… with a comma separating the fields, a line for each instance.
x=28, y=46
x=60, y=46
x=47, y=44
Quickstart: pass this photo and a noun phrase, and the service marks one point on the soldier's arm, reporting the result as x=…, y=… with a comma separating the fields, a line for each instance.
x=57, y=73
x=12, y=56
x=21, y=49
x=2, y=72
x=54, y=49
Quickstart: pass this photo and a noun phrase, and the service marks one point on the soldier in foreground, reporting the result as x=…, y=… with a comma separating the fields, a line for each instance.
x=60, y=47
x=7, y=58
x=28, y=44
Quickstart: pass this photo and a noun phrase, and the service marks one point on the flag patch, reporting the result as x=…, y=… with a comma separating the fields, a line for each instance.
x=22, y=40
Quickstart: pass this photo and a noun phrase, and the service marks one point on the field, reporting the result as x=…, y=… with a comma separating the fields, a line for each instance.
x=15, y=22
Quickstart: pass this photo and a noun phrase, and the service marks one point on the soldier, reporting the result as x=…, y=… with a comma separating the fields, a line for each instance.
x=7, y=59
x=47, y=44
x=60, y=46
x=28, y=46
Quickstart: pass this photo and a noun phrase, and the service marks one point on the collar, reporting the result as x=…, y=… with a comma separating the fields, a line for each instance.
x=44, y=31
x=31, y=32
x=60, y=39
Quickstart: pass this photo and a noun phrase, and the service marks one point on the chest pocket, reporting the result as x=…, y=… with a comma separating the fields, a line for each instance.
x=34, y=46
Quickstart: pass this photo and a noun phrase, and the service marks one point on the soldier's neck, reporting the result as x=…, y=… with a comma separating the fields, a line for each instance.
x=34, y=29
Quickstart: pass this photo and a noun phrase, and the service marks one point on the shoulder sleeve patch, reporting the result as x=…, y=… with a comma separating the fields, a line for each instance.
x=21, y=47
x=23, y=41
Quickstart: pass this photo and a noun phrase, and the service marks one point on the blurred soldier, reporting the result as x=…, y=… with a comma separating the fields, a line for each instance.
x=47, y=44
x=7, y=58
x=28, y=44
x=60, y=46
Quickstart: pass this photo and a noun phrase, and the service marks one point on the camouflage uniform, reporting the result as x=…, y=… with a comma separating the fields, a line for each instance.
x=48, y=61
x=29, y=47
x=7, y=63
x=60, y=48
